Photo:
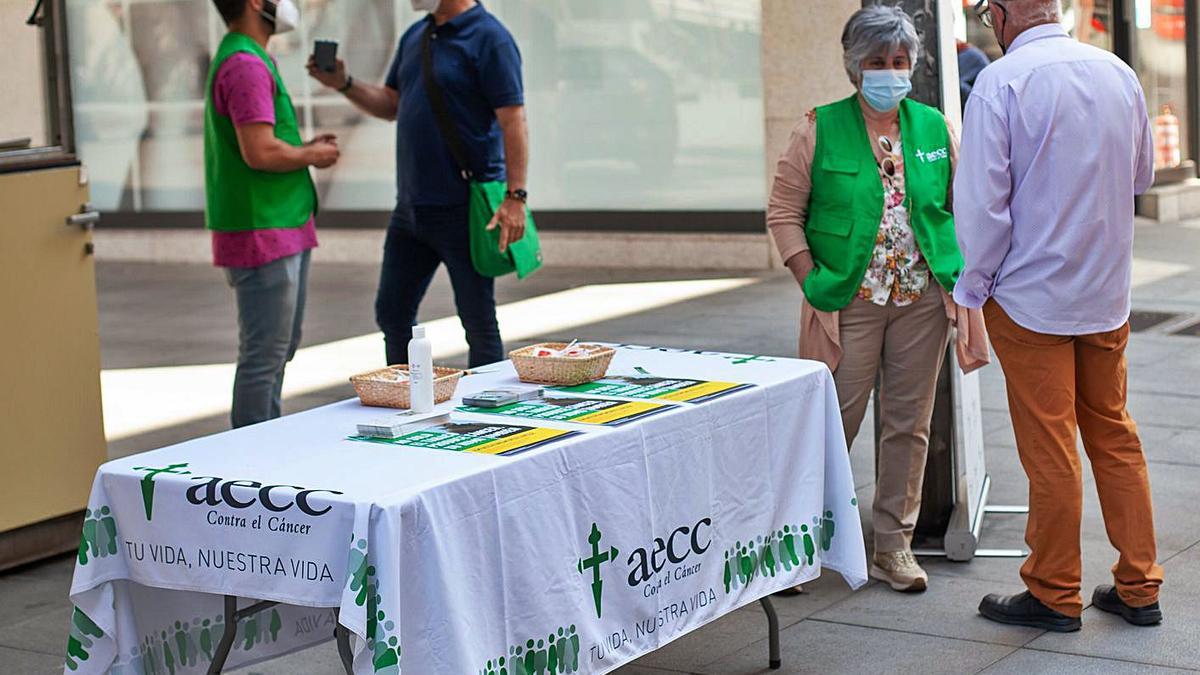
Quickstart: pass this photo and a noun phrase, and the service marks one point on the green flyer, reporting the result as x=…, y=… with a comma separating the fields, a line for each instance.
x=598, y=411
x=476, y=437
x=679, y=390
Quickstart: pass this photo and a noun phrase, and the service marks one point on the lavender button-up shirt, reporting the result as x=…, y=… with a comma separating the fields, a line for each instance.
x=1056, y=142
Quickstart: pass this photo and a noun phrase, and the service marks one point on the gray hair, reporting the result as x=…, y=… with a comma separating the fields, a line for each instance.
x=874, y=29
x=1036, y=11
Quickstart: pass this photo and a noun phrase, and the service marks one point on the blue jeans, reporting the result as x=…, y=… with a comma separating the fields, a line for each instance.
x=411, y=255
x=270, y=302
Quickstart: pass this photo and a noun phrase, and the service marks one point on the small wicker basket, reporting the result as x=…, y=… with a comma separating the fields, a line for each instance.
x=561, y=370
x=381, y=388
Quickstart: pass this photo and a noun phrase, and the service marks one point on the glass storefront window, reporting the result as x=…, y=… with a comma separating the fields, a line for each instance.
x=633, y=104
x=1090, y=21
x=27, y=124
x=1161, y=64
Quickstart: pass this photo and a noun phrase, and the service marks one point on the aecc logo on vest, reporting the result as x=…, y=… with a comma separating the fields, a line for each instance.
x=932, y=155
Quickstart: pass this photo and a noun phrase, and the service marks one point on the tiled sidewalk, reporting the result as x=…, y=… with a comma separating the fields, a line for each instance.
x=170, y=315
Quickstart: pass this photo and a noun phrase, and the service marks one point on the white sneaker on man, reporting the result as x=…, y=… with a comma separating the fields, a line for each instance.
x=899, y=569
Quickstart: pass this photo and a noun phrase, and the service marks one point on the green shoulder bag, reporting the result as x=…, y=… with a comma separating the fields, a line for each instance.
x=523, y=256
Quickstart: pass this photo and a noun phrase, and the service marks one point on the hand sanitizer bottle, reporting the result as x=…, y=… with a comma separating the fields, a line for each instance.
x=420, y=372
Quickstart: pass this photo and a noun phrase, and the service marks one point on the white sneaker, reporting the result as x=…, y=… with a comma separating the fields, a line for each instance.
x=899, y=569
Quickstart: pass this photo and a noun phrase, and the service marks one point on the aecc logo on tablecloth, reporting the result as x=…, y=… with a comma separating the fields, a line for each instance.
x=215, y=491
x=644, y=563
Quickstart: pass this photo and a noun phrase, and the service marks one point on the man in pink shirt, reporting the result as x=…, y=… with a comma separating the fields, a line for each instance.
x=261, y=200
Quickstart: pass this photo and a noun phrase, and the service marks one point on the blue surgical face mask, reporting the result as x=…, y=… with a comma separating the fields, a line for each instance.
x=884, y=89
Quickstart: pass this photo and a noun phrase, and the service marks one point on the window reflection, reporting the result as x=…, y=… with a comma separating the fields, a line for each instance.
x=633, y=104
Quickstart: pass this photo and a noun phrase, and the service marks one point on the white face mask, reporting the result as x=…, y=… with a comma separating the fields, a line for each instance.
x=283, y=14
x=425, y=5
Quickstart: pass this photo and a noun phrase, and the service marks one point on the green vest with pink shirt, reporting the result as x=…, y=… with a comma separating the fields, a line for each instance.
x=237, y=197
x=846, y=203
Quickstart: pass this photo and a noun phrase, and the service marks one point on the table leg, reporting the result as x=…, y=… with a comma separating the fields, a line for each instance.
x=227, y=637
x=233, y=616
x=343, y=644
x=776, y=660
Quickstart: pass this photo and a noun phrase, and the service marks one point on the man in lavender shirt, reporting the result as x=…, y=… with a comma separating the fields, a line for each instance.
x=1056, y=143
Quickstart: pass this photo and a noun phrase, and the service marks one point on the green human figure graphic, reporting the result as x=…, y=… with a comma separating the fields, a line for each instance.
x=543, y=658
x=250, y=633
x=503, y=666
x=136, y=662
x=517, y=659
x=193, y=630
x=374, y=616
x=789, y=543
x=359, y=571
x=181, y=644
x=79, y=640
x=574, y=650
x=753, y=555
x=167, y=655
x=551, y=655
x=206, y=641
x=387, y=661
x=781, y=554
x=276, y=624
x=530, y=658
x=156, y=650
x=561, y=644
x=147, y=658
x=746, y=565
x=738, y=568
x=827, y=526
x=87, y=542
x=728, y=574
x=768, y=556
x=106, y=539
x=809, y=547
x=153, y=658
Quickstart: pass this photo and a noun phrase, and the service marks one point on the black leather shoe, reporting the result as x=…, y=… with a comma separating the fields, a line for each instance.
x=1025, y=610
x=1105, y=598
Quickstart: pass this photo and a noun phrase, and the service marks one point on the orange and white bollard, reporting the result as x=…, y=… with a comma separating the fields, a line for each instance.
x=1166, y=139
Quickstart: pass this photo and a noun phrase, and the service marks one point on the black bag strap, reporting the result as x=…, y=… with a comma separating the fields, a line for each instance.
x=441, y=109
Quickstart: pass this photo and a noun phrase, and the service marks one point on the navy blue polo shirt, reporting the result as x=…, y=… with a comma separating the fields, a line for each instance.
x=477, y=64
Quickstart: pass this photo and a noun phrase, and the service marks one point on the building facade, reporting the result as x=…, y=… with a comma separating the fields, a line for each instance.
x=654, y=123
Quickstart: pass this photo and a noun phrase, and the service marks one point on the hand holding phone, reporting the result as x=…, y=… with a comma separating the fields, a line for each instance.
x=325, y=55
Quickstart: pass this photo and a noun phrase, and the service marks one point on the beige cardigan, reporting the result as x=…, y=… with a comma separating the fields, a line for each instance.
x=786, y=214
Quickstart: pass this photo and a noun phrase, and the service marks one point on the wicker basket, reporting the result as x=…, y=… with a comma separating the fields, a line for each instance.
x=379, y=387
x=561, y=370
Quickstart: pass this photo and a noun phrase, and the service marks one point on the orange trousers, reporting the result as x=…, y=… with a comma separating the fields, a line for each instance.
x=1058, y=384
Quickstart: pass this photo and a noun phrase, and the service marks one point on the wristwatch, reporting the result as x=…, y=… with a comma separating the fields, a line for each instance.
x=346, y=87
x=519, y=195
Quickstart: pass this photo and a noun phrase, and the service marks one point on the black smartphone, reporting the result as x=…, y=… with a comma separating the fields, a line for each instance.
x=325, y=53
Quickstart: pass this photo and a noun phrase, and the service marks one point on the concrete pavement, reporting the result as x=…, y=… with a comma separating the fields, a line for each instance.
x=171, y=315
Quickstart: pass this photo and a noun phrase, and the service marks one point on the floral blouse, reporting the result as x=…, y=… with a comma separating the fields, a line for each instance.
x=897, y=272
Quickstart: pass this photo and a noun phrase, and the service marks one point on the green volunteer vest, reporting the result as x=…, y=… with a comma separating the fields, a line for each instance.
x=845, y=207
x=238, y=197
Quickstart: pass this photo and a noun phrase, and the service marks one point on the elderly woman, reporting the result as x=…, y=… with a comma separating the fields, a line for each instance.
x=860, y=212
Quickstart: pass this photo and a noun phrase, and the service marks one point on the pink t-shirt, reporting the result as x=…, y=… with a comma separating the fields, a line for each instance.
x=244, y=91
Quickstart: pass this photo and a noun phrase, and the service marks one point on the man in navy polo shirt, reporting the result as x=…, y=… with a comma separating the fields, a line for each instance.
x=477, y=64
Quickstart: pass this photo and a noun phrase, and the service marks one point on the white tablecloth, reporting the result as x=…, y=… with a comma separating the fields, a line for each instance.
x=575, y=557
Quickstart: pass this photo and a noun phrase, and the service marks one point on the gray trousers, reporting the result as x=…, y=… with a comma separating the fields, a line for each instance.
x=270, y=302
x=906, y=347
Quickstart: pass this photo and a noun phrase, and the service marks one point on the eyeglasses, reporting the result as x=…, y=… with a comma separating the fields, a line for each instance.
x=889, y=156
x=983, y=10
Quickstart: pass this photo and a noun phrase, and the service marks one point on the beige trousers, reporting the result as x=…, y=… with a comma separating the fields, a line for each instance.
x=906, y=347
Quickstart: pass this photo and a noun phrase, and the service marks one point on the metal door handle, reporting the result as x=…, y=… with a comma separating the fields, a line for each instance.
x=86, y=218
